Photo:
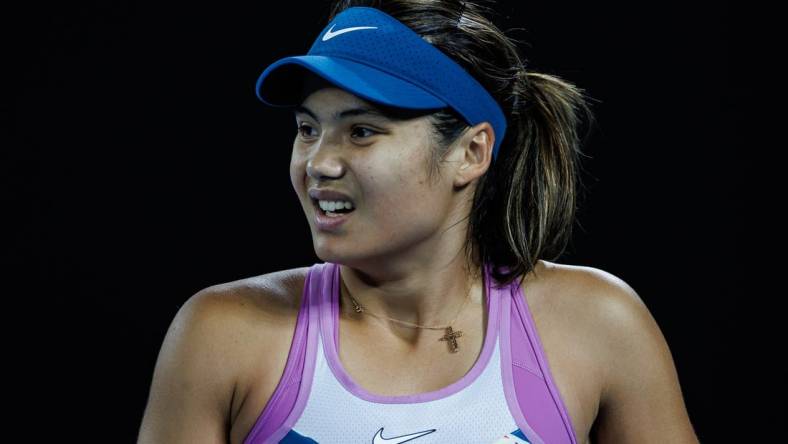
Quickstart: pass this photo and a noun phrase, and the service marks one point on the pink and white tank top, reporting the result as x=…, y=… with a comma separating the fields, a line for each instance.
x=508, y=396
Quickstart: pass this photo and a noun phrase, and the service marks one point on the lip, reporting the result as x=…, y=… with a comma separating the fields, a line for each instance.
x=328, y=194
x=328, y=223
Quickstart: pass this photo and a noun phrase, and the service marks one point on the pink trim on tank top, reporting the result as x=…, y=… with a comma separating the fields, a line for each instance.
x=507, y=374
x=329, y=329
x=547, y=422
x=276, y=421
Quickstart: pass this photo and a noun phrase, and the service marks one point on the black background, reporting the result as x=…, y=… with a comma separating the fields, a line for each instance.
x=139, y=167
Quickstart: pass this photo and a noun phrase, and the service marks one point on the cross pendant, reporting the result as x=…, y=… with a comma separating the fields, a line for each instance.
x=451, y=337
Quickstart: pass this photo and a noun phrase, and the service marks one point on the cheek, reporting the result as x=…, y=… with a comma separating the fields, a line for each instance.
x=298, y=176
x=403, y=223
x=403, y=204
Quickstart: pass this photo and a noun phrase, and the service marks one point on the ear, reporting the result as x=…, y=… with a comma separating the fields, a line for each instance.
x=476, y=146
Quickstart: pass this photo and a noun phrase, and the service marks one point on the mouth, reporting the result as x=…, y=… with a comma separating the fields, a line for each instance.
x=337, y=213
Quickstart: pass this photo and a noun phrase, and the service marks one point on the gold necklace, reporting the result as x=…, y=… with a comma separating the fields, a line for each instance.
x=450, y=337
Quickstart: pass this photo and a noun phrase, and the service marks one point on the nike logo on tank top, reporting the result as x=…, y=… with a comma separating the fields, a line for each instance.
x=508, y=395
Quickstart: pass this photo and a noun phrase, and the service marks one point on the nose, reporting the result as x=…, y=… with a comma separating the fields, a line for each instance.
x=325, y=160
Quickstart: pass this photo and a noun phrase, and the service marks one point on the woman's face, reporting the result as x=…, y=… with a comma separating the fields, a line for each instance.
x=380, y=163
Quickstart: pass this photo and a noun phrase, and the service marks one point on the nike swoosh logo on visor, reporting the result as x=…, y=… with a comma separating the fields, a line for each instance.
x=379, y=439
x=330, y=34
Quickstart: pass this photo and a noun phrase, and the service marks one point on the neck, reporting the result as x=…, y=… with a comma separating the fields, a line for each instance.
x=426, y=295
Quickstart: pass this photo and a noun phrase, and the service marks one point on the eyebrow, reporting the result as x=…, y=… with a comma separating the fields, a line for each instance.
x=362, y=111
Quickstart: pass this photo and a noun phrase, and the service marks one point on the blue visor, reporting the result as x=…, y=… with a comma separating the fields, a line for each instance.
x=371, y=54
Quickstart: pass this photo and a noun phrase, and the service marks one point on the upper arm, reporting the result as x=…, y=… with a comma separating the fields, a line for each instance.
x=192, y=386
x=641, y=401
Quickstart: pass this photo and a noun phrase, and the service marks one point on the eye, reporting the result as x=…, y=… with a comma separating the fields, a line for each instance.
x=301, y=129
x=373, y=132
x=305, y=127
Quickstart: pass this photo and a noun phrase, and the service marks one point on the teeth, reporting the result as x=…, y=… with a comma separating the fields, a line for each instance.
x=332, y=205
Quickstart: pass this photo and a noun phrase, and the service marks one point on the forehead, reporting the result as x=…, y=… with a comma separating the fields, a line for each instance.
x=328, y=98
x=321, y=98
x=312, y=82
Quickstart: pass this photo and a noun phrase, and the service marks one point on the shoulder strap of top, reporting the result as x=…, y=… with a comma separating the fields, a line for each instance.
x=537, y=397
x=273, y=418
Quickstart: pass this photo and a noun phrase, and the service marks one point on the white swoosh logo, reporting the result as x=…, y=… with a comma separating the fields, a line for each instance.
x=330, y=34
x=379, y=439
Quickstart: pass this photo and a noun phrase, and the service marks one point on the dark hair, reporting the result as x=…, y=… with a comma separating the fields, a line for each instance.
x=524, y=205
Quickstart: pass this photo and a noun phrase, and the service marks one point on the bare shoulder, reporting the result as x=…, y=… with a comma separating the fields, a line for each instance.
x=259, y=315
x=272, y=290
x=638, y=391
x=576, y=293
x=608, y=307
x=244, y=311
x=214, y=339
x=251, y=309
x=595, y=304
x=573, y=308
x=586, y=294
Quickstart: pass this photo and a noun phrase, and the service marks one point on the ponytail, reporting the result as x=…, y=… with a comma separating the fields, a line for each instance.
x=531, y=195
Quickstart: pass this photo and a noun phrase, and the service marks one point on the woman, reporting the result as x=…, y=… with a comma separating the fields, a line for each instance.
x=438, y=177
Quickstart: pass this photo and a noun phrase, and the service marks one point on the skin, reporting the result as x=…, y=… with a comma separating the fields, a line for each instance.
x=400, y=256
x=401, y=249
